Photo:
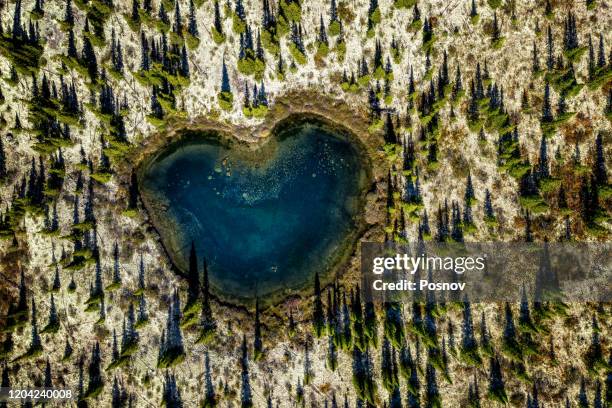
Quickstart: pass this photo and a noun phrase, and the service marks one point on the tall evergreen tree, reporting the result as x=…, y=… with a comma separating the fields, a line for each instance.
x=3, y=168
x=88, y=55
x=208, y=325
x=497, y=389
x=600, y=172
x=246, y=399
x=257, y=340
x=193, y=25
x=318, y=318
x=17, y=29
x=210, y=399
x=178, y=24
x=96, y=382
x=35, y=343
x=550, y=60
x=547, y=116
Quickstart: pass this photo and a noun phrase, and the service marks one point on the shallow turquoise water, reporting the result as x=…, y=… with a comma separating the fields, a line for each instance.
x=265, y=219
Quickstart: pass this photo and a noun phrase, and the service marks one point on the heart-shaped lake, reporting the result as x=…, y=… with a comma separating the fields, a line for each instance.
x=265, y=219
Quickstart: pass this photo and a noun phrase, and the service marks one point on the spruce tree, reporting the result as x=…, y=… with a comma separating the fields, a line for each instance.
x=5, y=383
x=53, y=323
x=308, y=371
x=210, y=399
x=225, y=83
x=88, y=55
x=217, y=20
x=547, y=116
x=96, y=382
x=550, y=60
x=68, y=14
x=600, y=172
x=488, y=206
x=535, y=66
x=432, y=395
x=257, y=340
x=495, y=35
x=246, y=400
x=3, y=168
x=469, y=345
x=318, y=318
x=35, y=343
x=193, y=25
x=583, y=401
x=178, y=24
x=208, y=325
x=497, y=389
x=601, y=55
x=67, y=351
x=17, y=29
x=135, y=16
x=509, y=339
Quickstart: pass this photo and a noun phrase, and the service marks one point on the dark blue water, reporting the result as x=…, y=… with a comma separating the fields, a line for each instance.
x=265, y=219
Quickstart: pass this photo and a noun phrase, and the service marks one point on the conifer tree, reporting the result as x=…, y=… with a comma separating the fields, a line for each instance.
x=318, y=319
x=308, y=372
x=495, y=36
x=257, y=340
x=218, y=27
x=608, y=391
x=597, y=399
x=600, y=172
x=35, y=343
x=226, y=91
x=550, y=60
x=178, y=24
x=469, y=345
x=208, y=324
x=53, y=323
x=390, y=135
x=432, y=395
x=547, y=116
x=245, y=389
x=193, y=25
x=583, y=401
x=488, y=206
x=601, y=54
x=497, y=389
x=543, y=167
x=67, y=351
x=68, y=14
x=473, y=9
x=88, y=55
x=210, y=399
x=535, y=66
x=3, y=168
x=509, y=340
x=171, y=393
x=116, y=266
x=135, y=12
x=17, y=29
x=96, y=382
x=5, y=383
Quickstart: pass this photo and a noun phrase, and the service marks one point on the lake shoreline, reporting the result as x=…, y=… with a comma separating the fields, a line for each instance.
x=283, y=114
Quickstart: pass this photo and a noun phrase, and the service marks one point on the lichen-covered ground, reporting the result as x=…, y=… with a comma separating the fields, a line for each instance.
x=514, y=96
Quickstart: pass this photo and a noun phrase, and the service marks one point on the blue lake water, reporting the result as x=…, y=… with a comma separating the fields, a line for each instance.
x=265, y=219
